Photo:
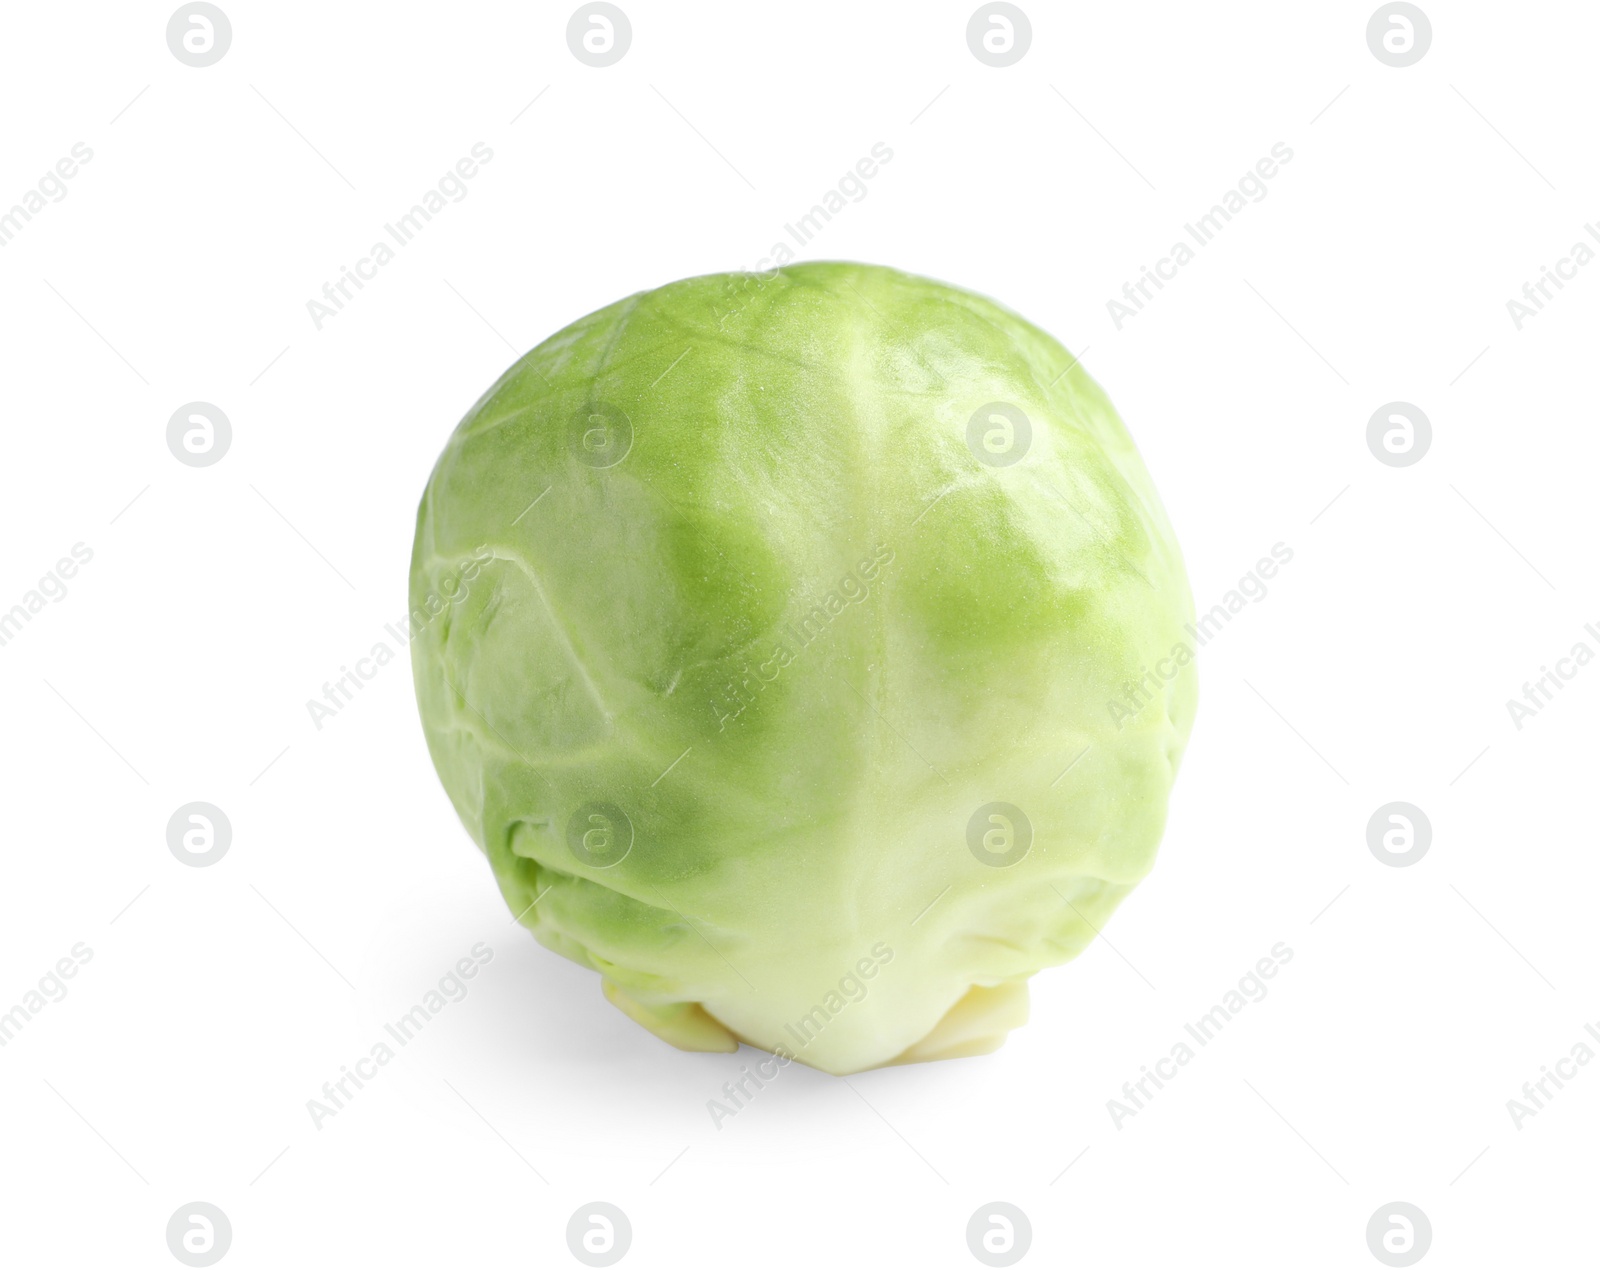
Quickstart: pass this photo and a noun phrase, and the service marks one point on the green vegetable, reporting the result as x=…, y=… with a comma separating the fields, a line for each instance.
x=805, y=651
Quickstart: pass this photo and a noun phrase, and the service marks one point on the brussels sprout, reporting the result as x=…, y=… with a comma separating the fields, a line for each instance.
x=805, y=651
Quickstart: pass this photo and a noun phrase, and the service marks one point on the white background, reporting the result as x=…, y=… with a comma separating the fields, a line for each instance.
x=177, y=667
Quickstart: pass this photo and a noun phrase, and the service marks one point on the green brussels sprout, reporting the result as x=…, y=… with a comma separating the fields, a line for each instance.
x=806, y=652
